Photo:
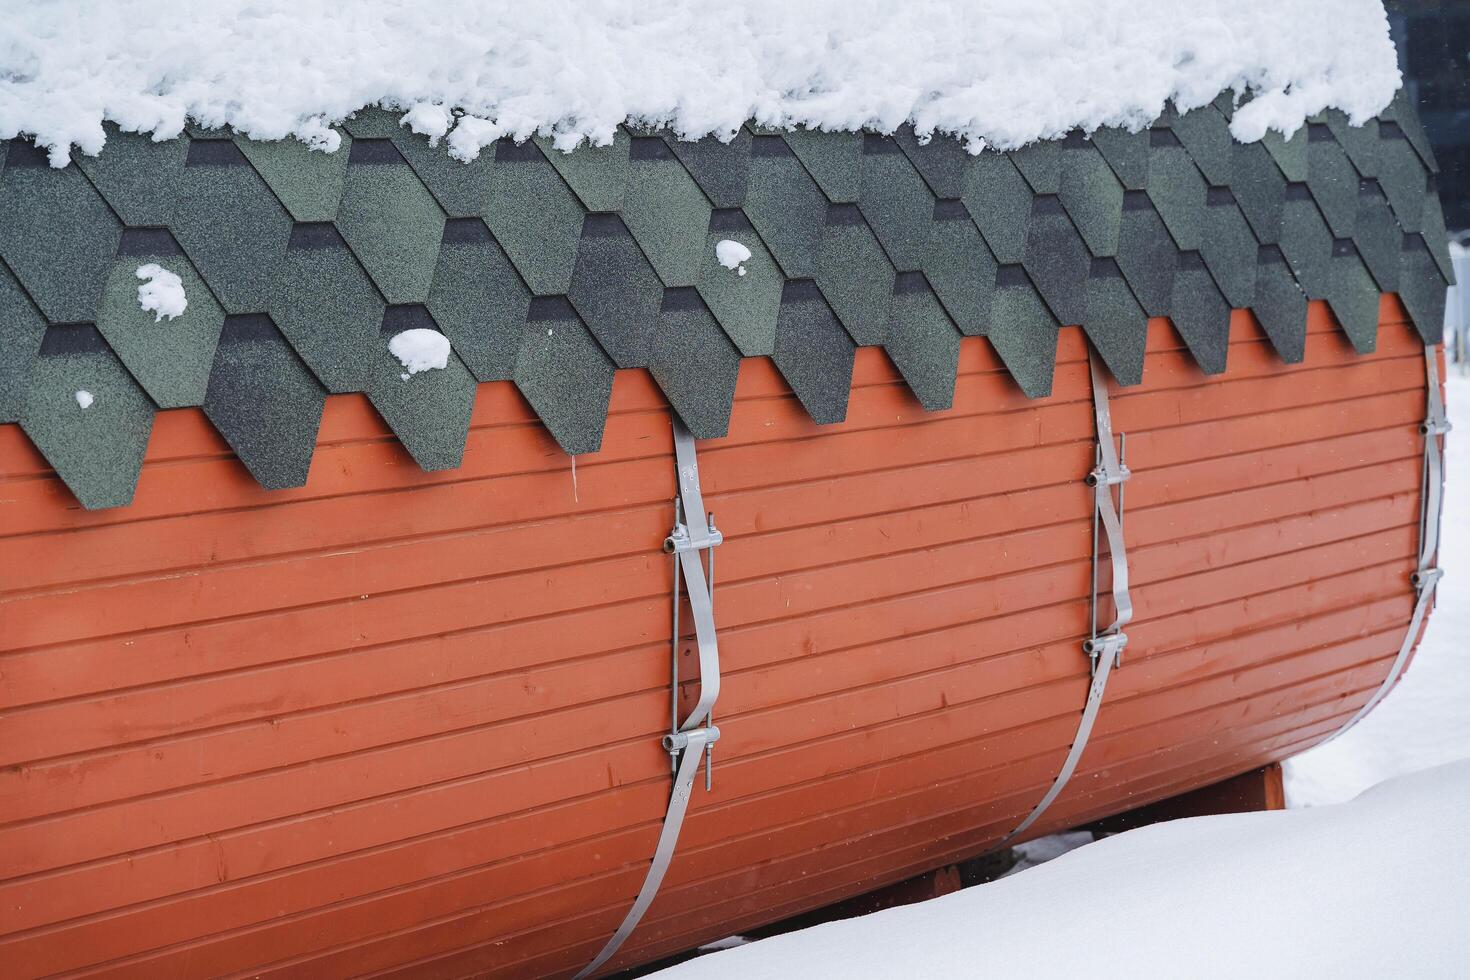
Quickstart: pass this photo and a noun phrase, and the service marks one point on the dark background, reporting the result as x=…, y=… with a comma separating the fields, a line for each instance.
x=1433, y=40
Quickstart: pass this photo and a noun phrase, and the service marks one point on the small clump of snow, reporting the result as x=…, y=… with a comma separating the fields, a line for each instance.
x=163, y=292
x=85, y=399
x=996, y=73
x=731, y=255
x=420, y=349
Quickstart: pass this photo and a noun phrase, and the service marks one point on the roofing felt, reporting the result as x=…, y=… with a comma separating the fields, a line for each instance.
x=551, y=270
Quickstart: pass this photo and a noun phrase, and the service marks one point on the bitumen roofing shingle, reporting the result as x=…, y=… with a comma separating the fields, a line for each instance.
x=551, y=268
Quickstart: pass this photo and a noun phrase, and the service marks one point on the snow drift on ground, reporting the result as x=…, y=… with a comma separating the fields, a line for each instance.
x=999, y=71
x=162, y=292
x=1425, y=720
x=1321, y=892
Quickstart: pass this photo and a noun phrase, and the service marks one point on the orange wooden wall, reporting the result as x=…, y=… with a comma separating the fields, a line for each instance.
x=406, y=723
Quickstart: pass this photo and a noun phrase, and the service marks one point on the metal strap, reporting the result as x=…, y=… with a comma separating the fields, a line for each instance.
x=1105, y=647
x=1426, y=576
x=692, y=740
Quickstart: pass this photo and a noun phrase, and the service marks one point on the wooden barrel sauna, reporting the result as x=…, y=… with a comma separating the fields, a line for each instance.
x=400, y=721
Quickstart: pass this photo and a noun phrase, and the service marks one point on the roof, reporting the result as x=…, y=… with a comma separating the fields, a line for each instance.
x=553, y=270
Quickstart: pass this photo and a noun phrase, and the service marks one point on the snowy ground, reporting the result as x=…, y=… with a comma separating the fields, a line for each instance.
x=1318, y=892
x=1425, y=721
x=1342, y=885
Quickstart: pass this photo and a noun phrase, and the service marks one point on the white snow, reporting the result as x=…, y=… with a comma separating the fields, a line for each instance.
x=162, y=293
x=1376, y=887
x=1425, y=720
x=420, y=349
x=731, y=254
x=85, y=398
x=998, y=72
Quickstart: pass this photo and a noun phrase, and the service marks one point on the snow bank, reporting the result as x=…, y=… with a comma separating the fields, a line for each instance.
x=162, y=293
x=420, y=349
x=1425, y=720
x=1002, y=72
x=1322, y=892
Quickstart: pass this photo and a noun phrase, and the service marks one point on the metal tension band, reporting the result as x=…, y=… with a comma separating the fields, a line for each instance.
x=1104, y=648
x=1426, y=576
x=694, y=739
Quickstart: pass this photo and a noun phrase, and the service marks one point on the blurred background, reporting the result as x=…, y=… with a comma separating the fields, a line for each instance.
x=1433, y=41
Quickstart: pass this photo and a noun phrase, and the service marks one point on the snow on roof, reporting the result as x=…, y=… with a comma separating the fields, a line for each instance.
x=993, y=72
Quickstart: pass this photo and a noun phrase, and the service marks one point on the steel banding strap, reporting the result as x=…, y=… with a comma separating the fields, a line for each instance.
x=1426, y=575
x=691, y=740
x=1105, y=648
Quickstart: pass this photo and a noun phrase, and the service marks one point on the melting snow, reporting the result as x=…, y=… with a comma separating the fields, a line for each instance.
x=420, y=349
x=998, y=72
x=731, y=254
x=163, y=293
x=85, y=399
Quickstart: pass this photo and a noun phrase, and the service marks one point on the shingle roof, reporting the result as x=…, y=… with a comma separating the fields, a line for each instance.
x=552, y=269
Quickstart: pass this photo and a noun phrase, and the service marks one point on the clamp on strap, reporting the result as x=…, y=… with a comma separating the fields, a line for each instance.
x=1104, y=647
x=691, y=741
x=1426, y=576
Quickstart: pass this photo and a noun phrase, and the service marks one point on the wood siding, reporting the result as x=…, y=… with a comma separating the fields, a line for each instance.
x=406, y=723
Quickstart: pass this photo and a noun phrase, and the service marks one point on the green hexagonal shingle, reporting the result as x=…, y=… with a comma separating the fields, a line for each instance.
x=535, y=217
x=1422, y=289
x=21, y=327
x=564, y=374
x=308, y=182
x=137, y=176
x=1126, y=153
x=1306, y=241
x=1377, y=235
x=833, y=159
x=896, y=202
x=1200, y=313
x=598, y=175
x=1332, y=180
x=1260, y=189
x=230, y=224
x=1146, y=254
x=87, y=416
x=1280, y=306
x=941, y=161
x=746, y=305
x=170, y=358
x=264, y=401
x=1229, y=248
x=614, y=290
x=1040, y=163
x=694, y=363
x=855, y=275
x=785, y=206
x=1290, y=154
x=1114, y=322
x=1353, y=296
x=960, y=267
x=922, y=342
x=56, y=234
x=327, y=307
x=1402, y=175
x=1057, y=260
x=1206, y=135
x=722, y=169
x=1359, y=142
x=814, y=353
x=1092, y=196
x=1023, y=331
x=478, y=299
x=999, y=200
x=429, y=411
x=1176, y=188
x=666, y=211
x=391, y=221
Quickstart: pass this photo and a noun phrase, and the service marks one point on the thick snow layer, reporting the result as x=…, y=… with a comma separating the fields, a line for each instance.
x=162, y=292
x=731, y=254
x=420, y=349
x=1321, y=892
x=85, y=398
x=1425, y=720
x=1003, y=72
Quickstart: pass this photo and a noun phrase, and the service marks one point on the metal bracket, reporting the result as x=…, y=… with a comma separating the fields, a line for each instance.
x=692, y=740
x=1425, y=577
x=1104, y=647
